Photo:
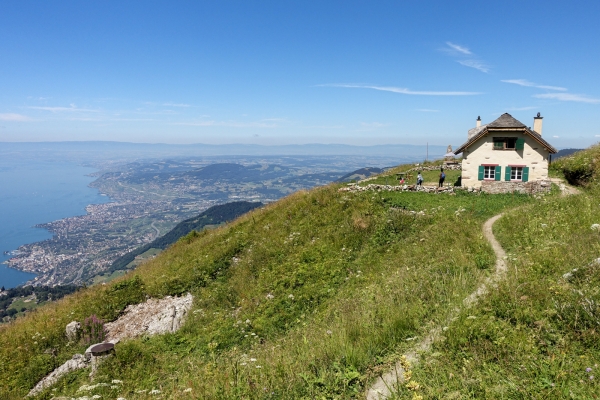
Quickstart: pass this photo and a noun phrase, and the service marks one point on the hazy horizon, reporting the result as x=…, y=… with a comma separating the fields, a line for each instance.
x=272, y=73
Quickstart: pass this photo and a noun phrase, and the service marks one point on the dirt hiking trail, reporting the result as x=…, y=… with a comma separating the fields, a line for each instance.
x=387, y=384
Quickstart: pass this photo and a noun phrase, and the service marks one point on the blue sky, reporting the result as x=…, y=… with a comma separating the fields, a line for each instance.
x=283, y=72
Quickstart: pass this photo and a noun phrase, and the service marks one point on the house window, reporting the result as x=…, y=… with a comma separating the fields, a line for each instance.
x=516, y=173
x=508, y=143
x=489, y=172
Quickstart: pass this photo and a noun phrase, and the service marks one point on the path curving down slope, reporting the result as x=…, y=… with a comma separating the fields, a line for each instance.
x=387, y=383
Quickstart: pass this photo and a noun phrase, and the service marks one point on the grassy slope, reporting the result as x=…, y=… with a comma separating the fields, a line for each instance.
x=537, y=335
x=321, y=289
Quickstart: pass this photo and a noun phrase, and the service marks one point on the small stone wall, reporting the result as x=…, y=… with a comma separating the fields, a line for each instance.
x=495, y=187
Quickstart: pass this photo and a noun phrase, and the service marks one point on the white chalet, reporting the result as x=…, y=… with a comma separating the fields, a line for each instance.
x=504, y=155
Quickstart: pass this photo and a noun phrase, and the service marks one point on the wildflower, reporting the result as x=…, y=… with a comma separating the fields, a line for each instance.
x=253, y=360
x=243, y=363
x=413, y=385
x=595, y=227
x=247, y=321
x=588, y=369
x=116, y=381
x=291, y=296
x=270, y=296
x=544, y=225
x=329, y=332
x=155, y=391
x=187, y=390
x=258, y=366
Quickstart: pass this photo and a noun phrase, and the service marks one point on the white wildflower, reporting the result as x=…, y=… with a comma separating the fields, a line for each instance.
x=270, y=296
x=291, y=296
x=253, y=360
x=187, y=390
x=595, y=227
x=116, y=381
x=155, y=391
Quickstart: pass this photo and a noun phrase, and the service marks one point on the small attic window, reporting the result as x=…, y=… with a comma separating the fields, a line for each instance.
x=505, y=143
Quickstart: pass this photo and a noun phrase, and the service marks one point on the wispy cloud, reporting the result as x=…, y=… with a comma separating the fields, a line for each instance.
x=230, y=124
x=71, y=108
x=465, y=57
x=13, y=117
x=427, y=110
x=580, y=98
x=555, y=136
x=525, y=82
x=479, y=65
x=458, y=48
x=176, y=105
x=404, y=90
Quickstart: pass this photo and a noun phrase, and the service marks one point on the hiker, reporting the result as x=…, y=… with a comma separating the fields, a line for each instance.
x=442, y=177
x=419, y=180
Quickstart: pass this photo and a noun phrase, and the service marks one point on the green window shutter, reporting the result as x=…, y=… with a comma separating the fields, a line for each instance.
x=497, y=172
x=507, y=172
x=480, y=177
x=525, y=174
x=520, y=144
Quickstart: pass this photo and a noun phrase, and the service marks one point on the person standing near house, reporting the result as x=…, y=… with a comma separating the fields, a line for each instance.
x=419, y=179
x=442, y=177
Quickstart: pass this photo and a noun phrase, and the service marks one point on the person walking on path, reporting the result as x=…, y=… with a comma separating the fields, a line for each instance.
x=419, y=180
x=442, y=177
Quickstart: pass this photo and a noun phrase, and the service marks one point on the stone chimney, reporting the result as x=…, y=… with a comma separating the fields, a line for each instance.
x=537, y=123
x=478, y=122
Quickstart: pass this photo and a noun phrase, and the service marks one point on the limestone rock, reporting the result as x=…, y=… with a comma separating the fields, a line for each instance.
x=78, y=361
x=72, y=330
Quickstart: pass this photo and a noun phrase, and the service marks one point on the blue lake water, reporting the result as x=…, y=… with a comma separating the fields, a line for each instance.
x=34, y=192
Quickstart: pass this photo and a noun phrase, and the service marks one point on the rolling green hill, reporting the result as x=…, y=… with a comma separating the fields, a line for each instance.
x=316, y=295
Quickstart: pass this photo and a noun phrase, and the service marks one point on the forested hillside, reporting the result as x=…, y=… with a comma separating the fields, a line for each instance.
x=215, y=215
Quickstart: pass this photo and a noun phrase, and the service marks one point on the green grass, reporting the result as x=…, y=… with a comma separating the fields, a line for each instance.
x=105, y=278
x=326, y=291
x=430, y=178
x=537, y=333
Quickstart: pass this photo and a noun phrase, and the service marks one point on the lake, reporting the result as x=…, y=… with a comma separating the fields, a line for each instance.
x=34, y=192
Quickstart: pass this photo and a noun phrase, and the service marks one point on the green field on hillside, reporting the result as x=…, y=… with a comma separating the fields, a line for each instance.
x=317, y=294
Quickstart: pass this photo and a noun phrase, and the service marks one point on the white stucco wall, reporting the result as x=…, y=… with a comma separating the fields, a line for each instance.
x=534, y=156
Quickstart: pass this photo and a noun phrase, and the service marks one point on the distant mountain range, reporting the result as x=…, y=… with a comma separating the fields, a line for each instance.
x=564, y=153
x=132, y=150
